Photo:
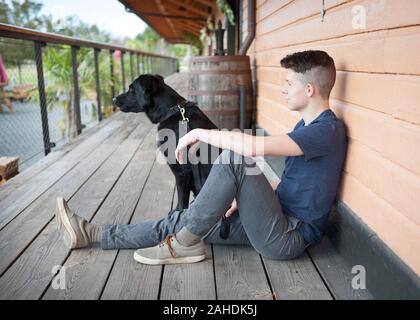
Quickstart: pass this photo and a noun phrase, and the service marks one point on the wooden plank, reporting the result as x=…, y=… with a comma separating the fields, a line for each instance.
x=402, y=136
x=335, y=272
x=395, y=95
x=48, y=249
x=280, y=14
x=268, y=8
x=271, y=126
x=23, y=196
x=89, y=268
x=278, y=112
x=26, y=175
x=239, y=274
x=296, y=279
x=260, y=3
x=129, y=279
x=189, y=281
x=394, y=184
x=20, y=232
x=398, y=232
x=386, y=51
x=382, y=15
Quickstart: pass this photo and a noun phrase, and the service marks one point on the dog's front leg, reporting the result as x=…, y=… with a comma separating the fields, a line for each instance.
x=183, y=187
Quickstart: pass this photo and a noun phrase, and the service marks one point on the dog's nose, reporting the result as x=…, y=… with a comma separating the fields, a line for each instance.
x=114, y=102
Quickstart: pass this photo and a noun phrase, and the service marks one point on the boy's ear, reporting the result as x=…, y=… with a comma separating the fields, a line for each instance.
x=310, y=89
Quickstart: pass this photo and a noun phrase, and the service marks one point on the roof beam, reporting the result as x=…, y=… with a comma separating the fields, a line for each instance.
x=208, y=3
x=188, y=6
x=197, y=24
x=162, y=10
x=172, y=16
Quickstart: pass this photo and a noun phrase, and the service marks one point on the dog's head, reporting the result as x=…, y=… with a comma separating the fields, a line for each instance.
x=140, y=94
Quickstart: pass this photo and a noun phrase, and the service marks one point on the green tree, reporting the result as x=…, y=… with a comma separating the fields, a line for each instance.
x=148, y=40
x=72, y=26
x=25, y=14
x=59, y=83
x=21, y=13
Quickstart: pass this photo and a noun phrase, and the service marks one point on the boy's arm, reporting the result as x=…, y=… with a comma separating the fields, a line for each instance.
x=279, y=145
x=248, y=145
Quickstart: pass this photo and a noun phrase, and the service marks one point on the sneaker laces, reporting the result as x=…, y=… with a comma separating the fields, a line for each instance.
x=167, y=241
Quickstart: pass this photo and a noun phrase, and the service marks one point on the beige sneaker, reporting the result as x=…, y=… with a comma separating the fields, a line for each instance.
x=71, y=226
x=170, y=251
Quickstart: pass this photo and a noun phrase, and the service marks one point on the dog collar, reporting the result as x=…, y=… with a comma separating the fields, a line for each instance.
x=175, y=109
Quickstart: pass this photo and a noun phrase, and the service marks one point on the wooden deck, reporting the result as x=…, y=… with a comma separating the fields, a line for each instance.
x=110, y=175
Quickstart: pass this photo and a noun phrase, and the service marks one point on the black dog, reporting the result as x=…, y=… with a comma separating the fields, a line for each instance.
x=165, y=107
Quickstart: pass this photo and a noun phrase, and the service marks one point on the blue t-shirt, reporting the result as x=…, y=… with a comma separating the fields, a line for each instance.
x=310, y=182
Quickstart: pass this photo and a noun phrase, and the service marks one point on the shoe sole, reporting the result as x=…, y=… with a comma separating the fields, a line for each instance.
x=69, y=236
x=145, y=260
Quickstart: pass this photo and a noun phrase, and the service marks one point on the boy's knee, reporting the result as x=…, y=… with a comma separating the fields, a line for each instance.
x=278, y=256
x=281, y=255
x=226, y=157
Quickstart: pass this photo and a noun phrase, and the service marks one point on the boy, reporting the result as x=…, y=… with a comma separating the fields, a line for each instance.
x=278, y=220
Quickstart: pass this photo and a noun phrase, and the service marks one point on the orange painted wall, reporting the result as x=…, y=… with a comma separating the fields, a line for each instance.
x=377, y=93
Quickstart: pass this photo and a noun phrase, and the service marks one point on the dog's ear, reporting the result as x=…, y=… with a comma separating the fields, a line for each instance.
x=150, y=84
x=146, y=87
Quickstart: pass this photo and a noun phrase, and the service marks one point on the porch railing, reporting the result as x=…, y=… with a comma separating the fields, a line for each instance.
x=108, y=83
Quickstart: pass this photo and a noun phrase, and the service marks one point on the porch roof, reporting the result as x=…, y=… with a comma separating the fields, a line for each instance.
x=173, y=19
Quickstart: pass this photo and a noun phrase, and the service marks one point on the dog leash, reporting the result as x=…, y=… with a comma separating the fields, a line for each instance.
x=182, y=110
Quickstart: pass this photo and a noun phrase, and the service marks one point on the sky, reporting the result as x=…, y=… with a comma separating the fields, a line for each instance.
x=108, y=15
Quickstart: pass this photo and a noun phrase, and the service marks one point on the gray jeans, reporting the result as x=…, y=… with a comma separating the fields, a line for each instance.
x=259, y=220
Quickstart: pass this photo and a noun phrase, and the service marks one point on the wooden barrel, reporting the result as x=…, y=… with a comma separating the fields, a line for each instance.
x=214, y=85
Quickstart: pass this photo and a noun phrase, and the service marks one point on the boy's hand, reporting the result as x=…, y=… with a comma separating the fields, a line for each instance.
x=188, y=139
x=232, y=209
x=274, y=184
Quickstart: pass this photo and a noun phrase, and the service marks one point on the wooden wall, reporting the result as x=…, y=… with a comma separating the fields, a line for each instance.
x=377, y=94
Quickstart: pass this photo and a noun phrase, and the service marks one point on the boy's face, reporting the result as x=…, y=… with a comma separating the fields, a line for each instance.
x=296, y=91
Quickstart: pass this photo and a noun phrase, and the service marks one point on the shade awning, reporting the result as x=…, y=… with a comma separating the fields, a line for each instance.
x=173, y=19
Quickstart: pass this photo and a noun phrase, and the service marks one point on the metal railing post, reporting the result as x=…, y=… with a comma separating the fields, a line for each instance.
x=76, y=89
x=111, y=66
x=122, y=71
x=138, y=65
x=131, y=67
x=98, y=86
x=42, y=98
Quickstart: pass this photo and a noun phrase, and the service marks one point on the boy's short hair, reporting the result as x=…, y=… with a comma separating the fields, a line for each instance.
x=315, y=66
